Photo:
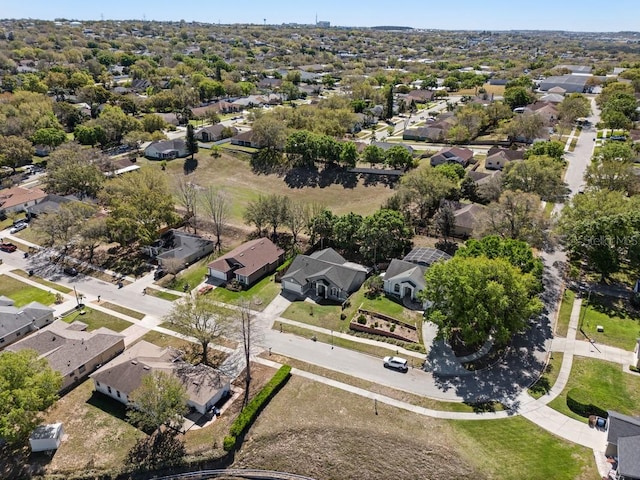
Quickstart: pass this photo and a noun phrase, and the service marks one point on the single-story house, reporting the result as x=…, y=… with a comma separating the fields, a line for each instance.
x=170, y=117
x=269, y=83
x=205, y=386
x=547, y=111
x=570, y=83
x=46, y=437
x=326, y=274
x=461, y=156
x=50, y=204
x=435, y=132
x=552, y=98
x=498, y=157
x=218, y=107
x=166, y=149
x=623, y=442
x=247, y=263
x=387, y=145
x=216, y=132
x=16, y=323
x=404, y=279
x=421, y=96
x=17, y=199
x=71, y=350
x=245, y=139
x=183, y=247
x=467, y=219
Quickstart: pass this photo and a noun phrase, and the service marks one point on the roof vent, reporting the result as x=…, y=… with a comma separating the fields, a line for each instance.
x=133, y=362
x=146, y=367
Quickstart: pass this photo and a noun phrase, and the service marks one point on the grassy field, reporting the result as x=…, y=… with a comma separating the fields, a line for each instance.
x=123, y=310
x=339, y=194
x=497, y=90
x=514, y=448
x=163, y=340
x=332, y=434
x=620, y=329
x=564, y=314
x=170, y=297
x=608, y=386
x=548, y=378
x=96, y=319
x=22, y=293
x=259, y=295
x=98, y=437
x=42, y=281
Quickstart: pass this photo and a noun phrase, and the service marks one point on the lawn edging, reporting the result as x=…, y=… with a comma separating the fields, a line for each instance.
x=248, y=415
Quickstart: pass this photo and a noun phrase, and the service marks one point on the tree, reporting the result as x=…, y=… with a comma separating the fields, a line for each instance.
x=161, y=448
x=553, y=149
x=256, y=214
x=541, y=175
x=373, y=155
x=50, y=137
x=517, y=97
x=345, y=231
x=192, y=143
x=398, y=157
x=321, y=224
x=201, y=318
x=276, y=208
x=186, y=193
x=611, y=168
x=423, y=189
x=517, y=215
x=140, y=205
x=475, y=298
x=573, y=107
x=469, y=189
x=15, y=151
x=218, y=206
x=269, y=132
x=445, y=221
x=90, y=135
x=349, y=154
x=161, y=399
x=388, y=108
x=92, y=233
x=153, y=123
x=296, y=219
x=524, y=127
x=115, y=124
x=63, y=225
x=28, y=386
x=247, y=335
x=75, y=171
x=383, y=236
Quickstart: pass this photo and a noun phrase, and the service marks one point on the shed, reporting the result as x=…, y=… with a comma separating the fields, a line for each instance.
x=46, y=437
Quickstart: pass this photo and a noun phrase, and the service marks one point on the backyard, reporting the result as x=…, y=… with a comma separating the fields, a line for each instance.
x=621, y=328
x=22, y=293
x=606, y=385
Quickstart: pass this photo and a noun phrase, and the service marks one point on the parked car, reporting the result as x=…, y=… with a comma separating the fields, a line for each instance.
x=71, y=271
x=18, y=227
x=396, y=363
x=8, y=247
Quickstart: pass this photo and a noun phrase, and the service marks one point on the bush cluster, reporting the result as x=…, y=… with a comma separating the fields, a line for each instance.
x=249, y=414
x=362, y=320
x=579, y=402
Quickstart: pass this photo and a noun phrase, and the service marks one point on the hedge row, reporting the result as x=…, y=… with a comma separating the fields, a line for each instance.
x=249, y=414
x=579, y=402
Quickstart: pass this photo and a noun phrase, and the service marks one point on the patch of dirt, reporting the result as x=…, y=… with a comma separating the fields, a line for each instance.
x=312, y=429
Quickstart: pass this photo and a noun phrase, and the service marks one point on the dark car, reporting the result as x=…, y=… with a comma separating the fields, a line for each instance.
x=71, y=271
x=618, y=138
x=8, y=247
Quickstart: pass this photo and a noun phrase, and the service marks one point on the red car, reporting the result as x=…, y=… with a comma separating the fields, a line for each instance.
x=8, y=247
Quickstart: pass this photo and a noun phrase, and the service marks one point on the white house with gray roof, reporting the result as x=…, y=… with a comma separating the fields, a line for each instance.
x=166, y=149
x=18, y=322
x=324, y=274
x=623, y=443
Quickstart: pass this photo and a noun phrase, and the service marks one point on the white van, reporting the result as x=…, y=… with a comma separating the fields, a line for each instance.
x=396, y=363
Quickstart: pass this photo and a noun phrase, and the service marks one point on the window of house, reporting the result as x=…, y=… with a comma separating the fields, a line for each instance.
x=81, y=369
x=118, y=393
x=396, y=288
x=334, y=292
x=109, y=389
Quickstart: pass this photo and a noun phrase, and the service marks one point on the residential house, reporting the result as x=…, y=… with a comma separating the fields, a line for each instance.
x=170, y=118
x=623, y=443
x=270, y=83
x=18, y=322
x=433, y=132
x=405, y=278
x=247, y=263
x=421, y=96
x=569, y=83
x=204, y=385
x=547, y=111
x=50, y=204
x=497, y=158
x=214, y=133
x=17, y=199
x=245, y=139
x=166, y=149
x=218, y=107
x=554, y=98
x=324, y=274
x=461, y=156
x=179, y=249
x=467, y=219
x=387, y=145
x=71, y=350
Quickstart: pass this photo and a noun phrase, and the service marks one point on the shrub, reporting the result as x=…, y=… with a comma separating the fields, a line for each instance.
x=392, y=327
x=362, y=320
x=343, y=316
x=249, y=414
x=579, y=402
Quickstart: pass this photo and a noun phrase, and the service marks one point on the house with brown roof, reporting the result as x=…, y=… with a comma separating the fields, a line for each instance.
x=205, y=386
x=247, y=263
x=467, y=219
x=245, y=139
x=461, y=156
x=547, y=111
x=16, y=199
x=214, y=133
x=72, y=350
x=498, y=157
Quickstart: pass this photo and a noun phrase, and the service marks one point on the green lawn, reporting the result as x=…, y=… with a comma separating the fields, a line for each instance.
x=42, y=281
x=260, y=294
x=192, y=276
x=548, y=378
x=620, y=329
x=123, y=310
x=96, y=319
x=171, y=297
x=163, y=340
x=326, y=316
x=564, y=315
x=608, y=386
x=22, y=293
x=515, y=449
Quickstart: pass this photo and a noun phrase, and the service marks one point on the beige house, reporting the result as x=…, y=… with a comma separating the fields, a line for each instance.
x=467, y=219
x=17, y=199
x=498, y=158
x=71, y=350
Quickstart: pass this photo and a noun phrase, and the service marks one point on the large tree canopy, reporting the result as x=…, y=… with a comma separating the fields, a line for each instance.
x=28, y=386
x=161, y=399
x=474, y=298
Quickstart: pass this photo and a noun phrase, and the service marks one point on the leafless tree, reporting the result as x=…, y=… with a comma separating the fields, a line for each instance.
x=217, y=205
x=248, y=335
x=296, y=220
x=187, y=194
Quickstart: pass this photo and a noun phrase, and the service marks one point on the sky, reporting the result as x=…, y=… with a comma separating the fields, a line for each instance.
x=573, y=15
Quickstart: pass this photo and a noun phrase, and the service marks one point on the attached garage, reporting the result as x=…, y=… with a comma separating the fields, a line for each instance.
x=291, y=286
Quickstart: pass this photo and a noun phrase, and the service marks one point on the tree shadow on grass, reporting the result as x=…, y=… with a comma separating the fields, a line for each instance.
x=610, y=306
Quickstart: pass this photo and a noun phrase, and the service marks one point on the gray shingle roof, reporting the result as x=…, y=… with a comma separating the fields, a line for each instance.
x=406, y=270
x=621, y=426
x=629, y=457
x=426, y=256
